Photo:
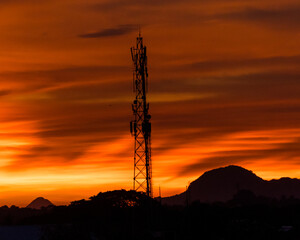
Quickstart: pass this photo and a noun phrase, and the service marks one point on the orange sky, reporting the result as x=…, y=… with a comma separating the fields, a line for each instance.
x=224, y=88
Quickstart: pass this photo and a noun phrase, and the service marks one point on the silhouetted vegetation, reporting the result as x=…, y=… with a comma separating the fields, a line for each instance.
x=131, y=215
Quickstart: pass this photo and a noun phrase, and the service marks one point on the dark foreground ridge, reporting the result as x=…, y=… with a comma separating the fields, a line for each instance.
x=131, y=215
x=222, y=184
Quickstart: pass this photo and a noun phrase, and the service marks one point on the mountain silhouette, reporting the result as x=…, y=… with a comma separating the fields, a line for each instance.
x=39, y=203
x=222, y=184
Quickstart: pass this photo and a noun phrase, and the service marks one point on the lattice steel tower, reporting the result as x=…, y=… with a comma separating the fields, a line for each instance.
x=140, y=127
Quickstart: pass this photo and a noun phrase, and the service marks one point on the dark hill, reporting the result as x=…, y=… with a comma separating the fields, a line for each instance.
x=39, y=203
x=223, y=183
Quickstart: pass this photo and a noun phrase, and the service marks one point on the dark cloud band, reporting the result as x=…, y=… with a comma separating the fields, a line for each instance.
x=111, y=32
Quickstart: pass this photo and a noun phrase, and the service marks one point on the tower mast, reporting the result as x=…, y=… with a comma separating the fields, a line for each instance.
x=140, y=127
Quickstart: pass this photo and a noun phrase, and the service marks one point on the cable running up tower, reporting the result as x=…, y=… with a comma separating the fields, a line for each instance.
x=140, y=127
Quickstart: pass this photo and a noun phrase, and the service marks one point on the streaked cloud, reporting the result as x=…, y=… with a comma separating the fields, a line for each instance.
x=111, y=32
x=279, y=18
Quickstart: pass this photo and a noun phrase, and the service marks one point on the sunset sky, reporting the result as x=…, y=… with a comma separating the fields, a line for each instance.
x=224, y=88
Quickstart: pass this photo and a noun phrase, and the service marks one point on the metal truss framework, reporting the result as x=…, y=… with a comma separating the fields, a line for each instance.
x=140, y=127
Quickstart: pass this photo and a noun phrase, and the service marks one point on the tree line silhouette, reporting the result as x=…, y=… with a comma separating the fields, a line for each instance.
x=124, y=214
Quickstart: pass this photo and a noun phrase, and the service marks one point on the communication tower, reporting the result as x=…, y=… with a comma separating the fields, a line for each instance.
x=140, y=127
